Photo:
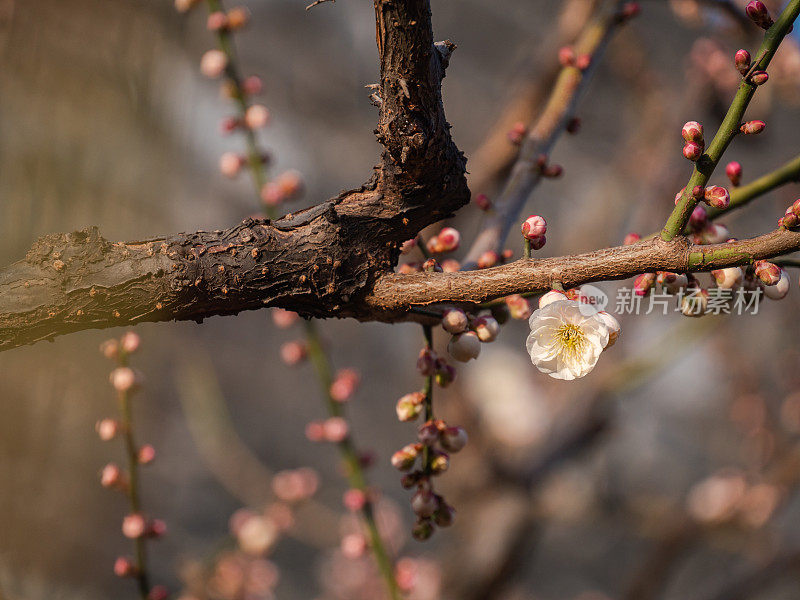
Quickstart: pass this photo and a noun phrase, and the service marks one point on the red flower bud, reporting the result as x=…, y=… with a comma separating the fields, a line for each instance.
x=516, y=135
x=742, y=61
x=698, y=218
x=759, y=14
x=692, y=131
x=631, y=238
x=448, y=239
x=795, y=207
x=422, y=530
x=692, y=151
x=424, y=503
x=759, y=78
x=566, y=56
x=643, y=283
x=734, y=172
x=717, y=196
x=752, y=127
x=769, y=273
x=482, y=202
x=124, y=567
x=583, y=61
x=428, y=433
x=426, y=362
x=445, y=373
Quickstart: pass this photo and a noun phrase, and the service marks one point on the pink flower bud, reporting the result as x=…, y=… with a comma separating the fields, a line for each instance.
x=742, y=61
x=487, y=328
x=517, y=133
x=728, y=278
x=453, y=439
x=464, y=346
x=734, y=172
x=789, y=219
x=533, y=227
x=256, y=116
x=630, y=10
x=156, y=528
x=354, y=500
x=213, y=63
x=294, y=352
x=422, y=530
x=428, y=433
x=158, y=592
x=692, y=131
x=692, y=151
x=133, y=526
x=717, y=196
x=124, y=379
x=404, y=459
x=490, y=258
x=229, y=124
x=759, y=78
x=110, y=349
x=315, y=431
x=672, y=283
x=107, y=429
x=336, y=429
x=238, y=17
x=449, y=239
x=769, y=273
x=283, y=319
x=130, y=342
x=482, y=202
x=426, y=362
x=408, y=246
x=566, y=56
x=631, y=238
x=795, y=208
x=353, y=545
x=344, y=385
x=780, y=289
x=715, y=233
x=450, y=266
x=146, y=454
x=216, y=21
x=424, y=503
x=410, y=406
x=290, y=184
x=230, y=164
x=698, y=218
x=752, y=127
x=112, y=477
x=538, y=242
x=583, y=62
x=454, y=321
x=252, y=85
x=518, y=307
x=759, y=14
x=124, y=567
x=643, y=283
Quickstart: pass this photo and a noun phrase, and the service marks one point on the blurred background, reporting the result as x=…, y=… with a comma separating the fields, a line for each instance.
x=670, y=472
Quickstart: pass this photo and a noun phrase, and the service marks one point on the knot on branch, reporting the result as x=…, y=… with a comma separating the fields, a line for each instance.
x=443, y=51
x=57, y=250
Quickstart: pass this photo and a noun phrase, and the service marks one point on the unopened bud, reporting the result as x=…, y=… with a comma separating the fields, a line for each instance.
x=404, y=459
x=410, y=406
x=450, y=265
x=283, y=319
x=759, y=78
x=444, y=515
x=487, y=328
x=431, y=266
x=553, y=171
x=439, y=463
x=428, y=433
x=454, y=321
x=490, y=258
x=124, y=567
x=424, y=503
x=213, y=63
x=238, y=17
x=354, y=500
x=146, y=454
x=769, y=273
x=124, y=379
x=573, y=125
x=727, y=278
x=252, y=85
x=110, y=349
x=426, y=361
x=583, y=62
x=695, y=303
x=692, y=151
x=464, y=346
x=133, y=526
x=518, y=307
x=631, y=238
x=643, y=283
x=742, y=61
x=107, y=429
x=422, y=530
x=482, y=202
x=517, y=133
x=715, y=233
x=734, y=172
x=230, y=164
x=566, y=56
x=344, y=385
x=698, y=218
x=672, y=283
x=158, y=592
x=780, y=289
x=336, y=429
x=256, y=116
x=795, y=207
x=752, y=127
x=759, y=14
x=294, y=352
x=692, y=131
x=445, y=373
x=156, y=528
x=112, y=477
x=717, y=197
x=217, y=21
x=130, y=342
x=534, y=227
x=449, y=239
x=454, y=439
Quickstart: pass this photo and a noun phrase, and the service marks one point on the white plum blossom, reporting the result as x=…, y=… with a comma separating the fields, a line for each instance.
x=567, y=337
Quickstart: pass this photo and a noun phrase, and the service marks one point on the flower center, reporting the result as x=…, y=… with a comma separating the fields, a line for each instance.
x=571, y=338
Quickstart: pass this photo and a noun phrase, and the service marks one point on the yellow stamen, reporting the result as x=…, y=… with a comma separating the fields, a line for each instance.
x=571, y=339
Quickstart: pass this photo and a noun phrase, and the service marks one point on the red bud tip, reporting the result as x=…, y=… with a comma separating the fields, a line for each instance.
x=692, y=151
x=759, y=14
x=752, y=127
x=516, y=135
x=566, y=56
x=583, y=62
x=734, y=172
x=759, y=78
x=692, y=131
x=631, y=238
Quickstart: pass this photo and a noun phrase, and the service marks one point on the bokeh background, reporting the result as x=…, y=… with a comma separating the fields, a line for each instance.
x=669, y=472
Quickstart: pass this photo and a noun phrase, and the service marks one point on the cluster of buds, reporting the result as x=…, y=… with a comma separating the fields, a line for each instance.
x=286, y=186
x=791, y=218
x=447, y=240
x=533, y=231
x=468, y=332
x=135, y=525
x=568, y=58
x=692, y=133
x=232, y=20
x=715, y=196
x=436, y=441
x=545, y=169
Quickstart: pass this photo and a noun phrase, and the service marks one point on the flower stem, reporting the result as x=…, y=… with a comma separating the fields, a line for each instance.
x=428, y=391
x=347, y=449
x=706, y=164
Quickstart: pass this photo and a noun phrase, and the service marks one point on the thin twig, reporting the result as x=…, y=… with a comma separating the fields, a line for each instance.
x=313, y=4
